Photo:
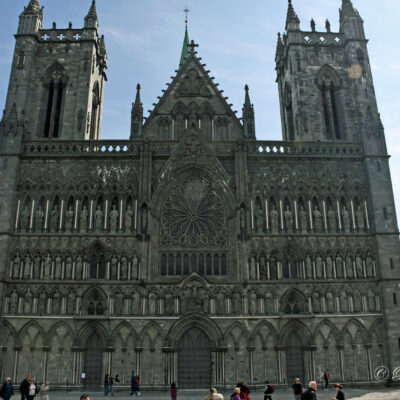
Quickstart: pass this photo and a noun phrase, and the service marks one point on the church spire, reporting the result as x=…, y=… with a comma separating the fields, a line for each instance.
x=30, y=20
x=137, y=115
x=33, y=7
x=91, y=19
x=348, y=8
x=292, y=20
x=351, y=23
x=279, y=47
x=248, y=116
x=185, y=48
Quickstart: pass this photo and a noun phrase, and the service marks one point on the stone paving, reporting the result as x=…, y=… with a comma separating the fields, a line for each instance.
x=354, y=394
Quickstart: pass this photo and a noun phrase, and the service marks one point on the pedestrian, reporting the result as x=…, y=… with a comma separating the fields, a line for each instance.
x=85, y=397
x=236, y=394
x=106, y=382
x=339, y=393
x=111, y=384
x=216, y=395
x=268, y=390
x=297, y=389
x=44, y=391
x=133, y=379
x=24, y=388
x=310, y=394
x=7, y=391
x=33, y=390
x=326, y=378
x=117, y=379
x=136, y=387
x=174, y=391
x=245, y=392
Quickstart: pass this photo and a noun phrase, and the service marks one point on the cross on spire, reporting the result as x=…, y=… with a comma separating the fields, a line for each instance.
x=186, y=11
x=192, y=46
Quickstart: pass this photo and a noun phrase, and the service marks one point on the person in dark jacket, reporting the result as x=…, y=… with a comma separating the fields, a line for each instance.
x=24, y=388
x=106, y=383
x=7, y=391
x=310, y=394
x=339, y=393
x=135, y=386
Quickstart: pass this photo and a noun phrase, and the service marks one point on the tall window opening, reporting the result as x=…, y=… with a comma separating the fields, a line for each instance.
x=95, y=111
x=289, y=114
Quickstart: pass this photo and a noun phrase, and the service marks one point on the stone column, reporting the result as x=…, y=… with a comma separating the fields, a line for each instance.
x=280, y=351
x=251, y=363
x=138, y=351
x=17, y=350
x=46, y=350
x=109, y=358
x=219, y=365
x=341, y=361
x=311, y=353
x=76, y=356
x=369, y=365
x=169, y=365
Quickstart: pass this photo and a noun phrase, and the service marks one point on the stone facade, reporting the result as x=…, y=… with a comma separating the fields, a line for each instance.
x=193, y=244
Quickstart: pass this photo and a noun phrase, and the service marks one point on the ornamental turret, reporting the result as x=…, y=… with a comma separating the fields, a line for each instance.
x=137, y=116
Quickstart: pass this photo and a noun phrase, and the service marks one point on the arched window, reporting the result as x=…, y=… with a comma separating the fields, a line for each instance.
x=289, y=113
x=55, y=86
x=95, y=111
x=328, y=83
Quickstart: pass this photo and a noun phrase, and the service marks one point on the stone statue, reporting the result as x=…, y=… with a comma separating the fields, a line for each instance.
x=124, y=267
x=54, y=219
x=339, y=266
x=71, y=303
x=344, y=304
x=42, y=303
x=317, y=219
x=273, y=267
x=252, y=303
x=316, y=303
x=237, y=303
x=312, y=24
x=371, y=300
x=144, y=220
x=303, y=219
x=136, y=304
x=349, y=267
x=58, y=267
x=98, y=216
x=346, y=220
x=135, y=267
x=359, y=266
x=263, y=268
x=309, y=268
x=360, y=219
x=25, y=216
x=252, y=268
x=39, y=219
x=16, y=266
x=28, y=302
x=259, y=217
x=288, y=219
x=118, y=303
x=79, y=267
x=332, y=220
x=14, y=302
x=27, y=266
x=128, y=218
x=328, y=26
x=114, y=214
x=330, y=302
x=220, y=303
x=68, y=267
x=370, y=265
x=114, y=267
x=168, y=303
x=274, y=218
x=47, y=267
x=37, y=263
x=319, y=268
x=56, y=304
x=269, y=304
x=357, y=301
x=69, y=219
x=329, y=266
x=83, y=220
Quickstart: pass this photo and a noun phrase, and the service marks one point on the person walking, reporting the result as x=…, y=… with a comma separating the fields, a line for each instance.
x=106, y=383
x=85, y=397
x=236, y=394
x=133, y=379
x=297, y=389
x=44, y=391
x=24, y=388
x=245, y=392
x=310, y=393
x=216, y=395
x=339, y=393
x=268, y=390
x=7, y=391
x=174, y=391
x=326, y=378
x=136, y=386
x=111, y=384
x=33, y=390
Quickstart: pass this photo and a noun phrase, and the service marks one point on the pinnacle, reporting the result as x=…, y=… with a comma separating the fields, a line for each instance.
x=292, y=20
x=247, y=97
x=92, y=11
x=33, y=6
x=185, y=48
x=137, y=100
x=347, y=7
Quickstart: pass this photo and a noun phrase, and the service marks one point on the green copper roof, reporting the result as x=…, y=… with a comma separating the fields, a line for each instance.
x=185, y=48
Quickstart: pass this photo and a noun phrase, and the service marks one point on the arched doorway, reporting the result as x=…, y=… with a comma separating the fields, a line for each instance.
x=294, y=359
x=93, y=362
x=194, y=360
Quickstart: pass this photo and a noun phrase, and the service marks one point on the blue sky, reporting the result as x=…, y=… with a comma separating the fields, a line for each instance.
x=237, y=42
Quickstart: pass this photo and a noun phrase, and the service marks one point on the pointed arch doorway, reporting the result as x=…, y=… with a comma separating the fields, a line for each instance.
x=294, y=358
x=194, y=360
x=93, y=362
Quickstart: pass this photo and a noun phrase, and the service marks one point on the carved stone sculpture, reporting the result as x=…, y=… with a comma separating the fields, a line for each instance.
x=69, y=219
x=259, y=217
x=263, y=267
x=54, y=219
x=303, y=219
x=27, y=266
x=25, y=216
x=124, y=267
x=128, y=219
x=71, y=303
x=135, y=267
x=118, y=303
x=98, y=216
x=316, y=303
x=370, y=265
x=16, y=266
x=332, y=220
x=39, y=219
x=58, y=267
x=83, y=220
x=344, y=304
x=274, y=218
x=14, y=302
x=371, y=300
x=319, y=268
x=28, y=302
x=346, y=220
x=114, y=214
x=252, y=298
x=317, y=217
x=136, y=304
x=68, y=267
x=330, y=302
x=339, y=266
x=329, y=266
x=237, y=303
x=273, y=267
x=360, y=219
x=252, y=268
x=288, y=219
x=114, y=267
x=349, y=267
x=79, y=267
x=37, y=263
x=309, y=268
x=47, y=267
x=357, y=301
x=359, y=266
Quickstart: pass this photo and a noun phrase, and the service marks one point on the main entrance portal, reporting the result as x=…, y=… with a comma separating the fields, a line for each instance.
x=93, y=362
x=194, y=360
x=294, y=359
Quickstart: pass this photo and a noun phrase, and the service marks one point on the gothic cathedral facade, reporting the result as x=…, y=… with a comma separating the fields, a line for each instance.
x=193, y=253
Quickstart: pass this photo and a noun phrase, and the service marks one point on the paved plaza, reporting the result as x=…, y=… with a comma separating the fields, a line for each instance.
x=355, y=394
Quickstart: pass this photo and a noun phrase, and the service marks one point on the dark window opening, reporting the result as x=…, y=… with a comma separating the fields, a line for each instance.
x=385, y=214
x=395, y=299
x=48, y=111
x=391, y=263
x=334, y=113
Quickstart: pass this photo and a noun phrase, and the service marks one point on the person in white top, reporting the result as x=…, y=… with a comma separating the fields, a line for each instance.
x=213, y=395
x=32, y=390
x=44, y=391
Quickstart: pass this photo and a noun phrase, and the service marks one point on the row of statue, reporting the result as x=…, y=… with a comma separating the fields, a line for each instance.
x=192, y=299
x=303, y=222
x=66, y=267
x=336, y=267
x=68, y=223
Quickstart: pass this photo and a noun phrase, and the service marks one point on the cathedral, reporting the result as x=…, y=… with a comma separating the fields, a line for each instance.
x=193, y=252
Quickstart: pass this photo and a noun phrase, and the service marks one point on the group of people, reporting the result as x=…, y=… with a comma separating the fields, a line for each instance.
x=28, y=389
x=310, y=393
